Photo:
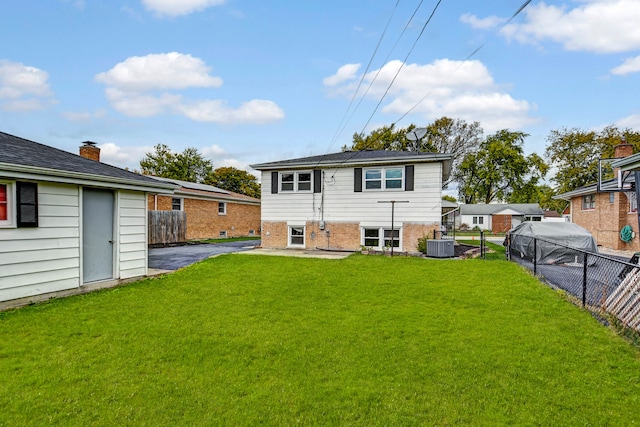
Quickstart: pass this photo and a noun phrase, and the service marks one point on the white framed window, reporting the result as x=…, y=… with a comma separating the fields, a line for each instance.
x=383, y=178
x=6, y=204
x=296, y=235
x=295, y=181
x=588, y=202
x=222, y=208
x=380, y=237
x=176, y=204
x=223, y=234
x=633, y=201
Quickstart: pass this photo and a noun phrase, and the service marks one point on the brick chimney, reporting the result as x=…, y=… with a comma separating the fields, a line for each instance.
x=89, y=150
x=623, y=149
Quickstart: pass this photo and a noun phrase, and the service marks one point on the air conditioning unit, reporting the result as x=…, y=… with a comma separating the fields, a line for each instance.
x=440, y=248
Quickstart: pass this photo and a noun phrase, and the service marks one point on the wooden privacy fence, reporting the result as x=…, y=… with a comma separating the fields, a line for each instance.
x=167, y=227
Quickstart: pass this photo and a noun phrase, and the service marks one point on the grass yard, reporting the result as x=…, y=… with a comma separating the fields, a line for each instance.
x=368, y=340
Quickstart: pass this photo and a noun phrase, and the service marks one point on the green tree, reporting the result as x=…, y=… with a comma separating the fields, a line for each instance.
x=186, y=166
x=499, y=170
x=575, y=154
x=444, y=135
x=384, y=138
x=236, y=180
x=449, y=198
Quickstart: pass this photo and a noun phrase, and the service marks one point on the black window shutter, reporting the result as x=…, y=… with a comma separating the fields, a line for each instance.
x=317, y=181
x=274, y=182
x=27, y=204
x=357, y=180
x=408, y=178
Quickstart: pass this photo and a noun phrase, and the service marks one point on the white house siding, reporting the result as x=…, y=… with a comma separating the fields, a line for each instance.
x=132, y=234
x=468, y=219
x=342, y=204
x=343, y=209
x=47, y=258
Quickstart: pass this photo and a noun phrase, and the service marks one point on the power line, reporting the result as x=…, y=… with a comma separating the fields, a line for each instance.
x=517, y=12
x=355, y=93
x=403, y=64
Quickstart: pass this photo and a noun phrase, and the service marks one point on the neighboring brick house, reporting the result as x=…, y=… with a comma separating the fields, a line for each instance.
x=499, y=217
x=211, y=211
x=605, y=209
x=342, y=201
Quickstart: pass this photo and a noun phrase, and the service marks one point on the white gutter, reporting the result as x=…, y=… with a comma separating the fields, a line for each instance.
x=10, y=170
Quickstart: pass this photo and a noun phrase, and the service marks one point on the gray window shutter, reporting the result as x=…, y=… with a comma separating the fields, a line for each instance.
x=27, y=204
x=317, y=181
x=408, y=178
x=357, y=180
x=274, y=182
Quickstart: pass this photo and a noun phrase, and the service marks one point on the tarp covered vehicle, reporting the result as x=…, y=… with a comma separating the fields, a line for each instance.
x=553, y=242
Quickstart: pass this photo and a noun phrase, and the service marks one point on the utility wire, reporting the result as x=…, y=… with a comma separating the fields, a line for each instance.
x=378, y=72
x=424, y=27
x=355, y=93
x=520, y=9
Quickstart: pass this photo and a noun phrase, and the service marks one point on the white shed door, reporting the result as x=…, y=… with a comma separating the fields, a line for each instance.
x=97, y=234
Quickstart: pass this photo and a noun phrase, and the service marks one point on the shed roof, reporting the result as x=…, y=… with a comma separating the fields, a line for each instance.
x=22, y=155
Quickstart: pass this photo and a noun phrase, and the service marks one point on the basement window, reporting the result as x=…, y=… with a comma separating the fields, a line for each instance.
x=380, y=238
x=296, y=236
x=223, y=234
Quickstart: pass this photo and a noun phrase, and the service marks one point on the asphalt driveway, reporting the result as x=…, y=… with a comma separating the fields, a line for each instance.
x=175, y=257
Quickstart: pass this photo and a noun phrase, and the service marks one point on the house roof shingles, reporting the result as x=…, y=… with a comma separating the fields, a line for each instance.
x=348, y=158
x=23, y=152
x=490, y=209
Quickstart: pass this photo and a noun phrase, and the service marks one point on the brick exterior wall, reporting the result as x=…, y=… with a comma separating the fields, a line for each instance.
x=338, y=235
x=500, y=223
x=274, y=234
x=204, y=222
x=606, y=220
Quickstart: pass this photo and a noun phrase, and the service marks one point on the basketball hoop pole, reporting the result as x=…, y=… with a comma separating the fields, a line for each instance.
x=393, y=204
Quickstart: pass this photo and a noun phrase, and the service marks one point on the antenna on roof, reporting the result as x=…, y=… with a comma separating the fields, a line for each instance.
x=416, y=134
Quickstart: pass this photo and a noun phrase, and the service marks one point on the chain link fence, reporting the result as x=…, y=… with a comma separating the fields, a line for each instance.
x=605, y=285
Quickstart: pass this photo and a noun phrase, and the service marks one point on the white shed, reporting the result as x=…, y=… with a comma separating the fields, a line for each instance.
x=67, y=221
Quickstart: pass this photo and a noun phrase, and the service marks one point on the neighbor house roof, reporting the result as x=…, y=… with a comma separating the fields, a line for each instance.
x=204, y=191
x=359, y=158
x=22, y=158
x=495, y=208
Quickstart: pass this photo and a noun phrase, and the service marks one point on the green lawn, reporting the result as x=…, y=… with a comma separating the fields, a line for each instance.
x=368, y=340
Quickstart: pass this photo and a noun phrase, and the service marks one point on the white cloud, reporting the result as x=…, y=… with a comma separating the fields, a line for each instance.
x=600, y=26
x=255, y=111
x=344, y=73
x=128, y=157
x=163, y=71
x=138, y=104
x=631, y=65
x=461, y=89
x=179, y=7
x=482, y=24
x=213, y=151
x=75, y=116
x=631, y=122
x=23, y=88
x=145, y=86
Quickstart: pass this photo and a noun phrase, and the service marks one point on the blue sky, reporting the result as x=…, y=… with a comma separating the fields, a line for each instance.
x=255, y=81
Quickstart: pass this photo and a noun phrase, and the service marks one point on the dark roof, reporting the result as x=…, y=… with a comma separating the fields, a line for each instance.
x=355, y=157
x=19, y=151
x=493, y=208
